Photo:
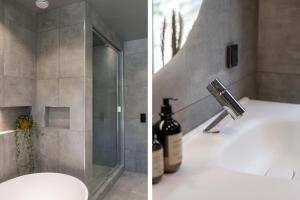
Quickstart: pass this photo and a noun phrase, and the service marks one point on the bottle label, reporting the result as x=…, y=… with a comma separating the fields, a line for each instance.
x=157, y=163
x=174, y=148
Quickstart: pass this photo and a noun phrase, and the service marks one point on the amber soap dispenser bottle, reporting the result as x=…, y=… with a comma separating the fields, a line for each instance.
x=170, y=135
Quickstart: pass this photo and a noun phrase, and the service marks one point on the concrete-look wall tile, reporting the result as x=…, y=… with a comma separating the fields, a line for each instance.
x=72, y=152
x=174, y=82
x=72, y=14
x=136, y=69
x=48, y=54
x=48, y=20
x=16, y=14
x=46, y=95
x=135, y=101
x=19, y=52
x=72, y=51
x=1, y=91
x=18, y=91
x=270, y=85
x=48, y=150
x=136, y=46
x=278, y=67
x=88, y=49
x=136, y=135
x=71, y=94
x=9, y=156
x=136, y=161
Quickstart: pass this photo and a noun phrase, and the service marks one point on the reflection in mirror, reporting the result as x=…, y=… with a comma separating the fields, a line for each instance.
x=165, y=12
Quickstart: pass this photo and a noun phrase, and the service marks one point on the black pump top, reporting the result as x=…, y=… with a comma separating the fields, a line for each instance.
x=166, y=108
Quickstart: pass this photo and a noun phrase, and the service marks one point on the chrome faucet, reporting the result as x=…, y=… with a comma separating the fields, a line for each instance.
x=232, y=108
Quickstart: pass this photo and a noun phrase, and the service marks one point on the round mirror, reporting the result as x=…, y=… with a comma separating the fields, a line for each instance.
x=172, y=22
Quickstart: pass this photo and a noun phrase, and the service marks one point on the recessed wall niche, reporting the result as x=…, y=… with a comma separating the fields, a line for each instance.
x=8, y=116
x=57, y=117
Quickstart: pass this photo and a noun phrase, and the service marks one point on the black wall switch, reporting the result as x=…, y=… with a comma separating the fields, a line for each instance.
x=143, y=118
x=232, y=55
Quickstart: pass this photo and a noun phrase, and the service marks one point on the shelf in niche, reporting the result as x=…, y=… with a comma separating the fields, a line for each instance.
x=57, y=117
x=8, y=116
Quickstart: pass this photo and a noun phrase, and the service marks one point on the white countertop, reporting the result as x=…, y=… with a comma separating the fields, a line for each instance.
x=200, y=178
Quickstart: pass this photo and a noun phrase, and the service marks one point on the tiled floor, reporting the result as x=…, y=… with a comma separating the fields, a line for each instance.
x=130, y=186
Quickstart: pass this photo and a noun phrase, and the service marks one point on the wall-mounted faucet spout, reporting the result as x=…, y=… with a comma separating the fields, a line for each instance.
x=231, y=106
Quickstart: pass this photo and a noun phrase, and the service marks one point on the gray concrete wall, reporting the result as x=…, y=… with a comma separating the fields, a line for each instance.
x=61, y=83
x=279, y=51
x=203, y=58
x=135, y=88
x=17, y=77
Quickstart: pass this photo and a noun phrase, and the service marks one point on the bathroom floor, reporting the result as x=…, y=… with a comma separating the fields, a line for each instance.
x=100, y=174
x=130, y=186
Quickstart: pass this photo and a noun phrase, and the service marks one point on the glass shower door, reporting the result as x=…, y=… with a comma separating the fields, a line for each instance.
x=105, y=107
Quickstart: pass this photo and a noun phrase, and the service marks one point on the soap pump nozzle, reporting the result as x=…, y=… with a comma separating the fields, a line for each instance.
x=166, y=108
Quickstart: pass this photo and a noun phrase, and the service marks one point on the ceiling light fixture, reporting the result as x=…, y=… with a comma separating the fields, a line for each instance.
x=43, y=4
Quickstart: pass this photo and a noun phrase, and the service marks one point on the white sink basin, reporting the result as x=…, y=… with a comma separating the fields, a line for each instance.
x=255, y=157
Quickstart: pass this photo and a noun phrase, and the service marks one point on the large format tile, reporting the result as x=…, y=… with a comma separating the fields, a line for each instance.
x=136, y=69
x=71, y=94
x=47, y=94
x=136, y=46
x=72, y=54
x=9, y=167
x=18, y=91
x=1, y=91
x=19, y=52
x=15, y=14
x=135, y=101
x=130, y=186
x=71, y=152
x=48, y=20
x=72, y=14
x=48, y=150
x=48, y=54
x=136, y=161
x=136, y=135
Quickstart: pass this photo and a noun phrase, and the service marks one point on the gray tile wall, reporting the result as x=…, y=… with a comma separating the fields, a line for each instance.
x=46, y=60
x=135, y=82
x=279, y=51
x=17, y=77
x=61, y=83
x=203, y=58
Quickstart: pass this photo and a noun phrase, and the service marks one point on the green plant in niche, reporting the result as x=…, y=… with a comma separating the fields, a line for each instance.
x=24, y=127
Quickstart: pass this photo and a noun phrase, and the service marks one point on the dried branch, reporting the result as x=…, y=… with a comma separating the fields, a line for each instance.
x=174, y=37
x=163, y=37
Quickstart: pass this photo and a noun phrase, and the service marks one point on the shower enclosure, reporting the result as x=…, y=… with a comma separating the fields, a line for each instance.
x=107, y=113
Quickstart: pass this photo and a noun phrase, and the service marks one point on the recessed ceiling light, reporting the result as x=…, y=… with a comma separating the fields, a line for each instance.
x=43, y=4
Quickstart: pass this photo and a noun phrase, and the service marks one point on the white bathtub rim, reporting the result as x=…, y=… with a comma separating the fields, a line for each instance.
x=86, y=196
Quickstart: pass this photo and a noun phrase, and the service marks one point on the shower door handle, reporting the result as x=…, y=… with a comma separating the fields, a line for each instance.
x=119, y=109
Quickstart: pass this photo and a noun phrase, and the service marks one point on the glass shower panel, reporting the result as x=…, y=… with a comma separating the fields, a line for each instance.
x=105, y=116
